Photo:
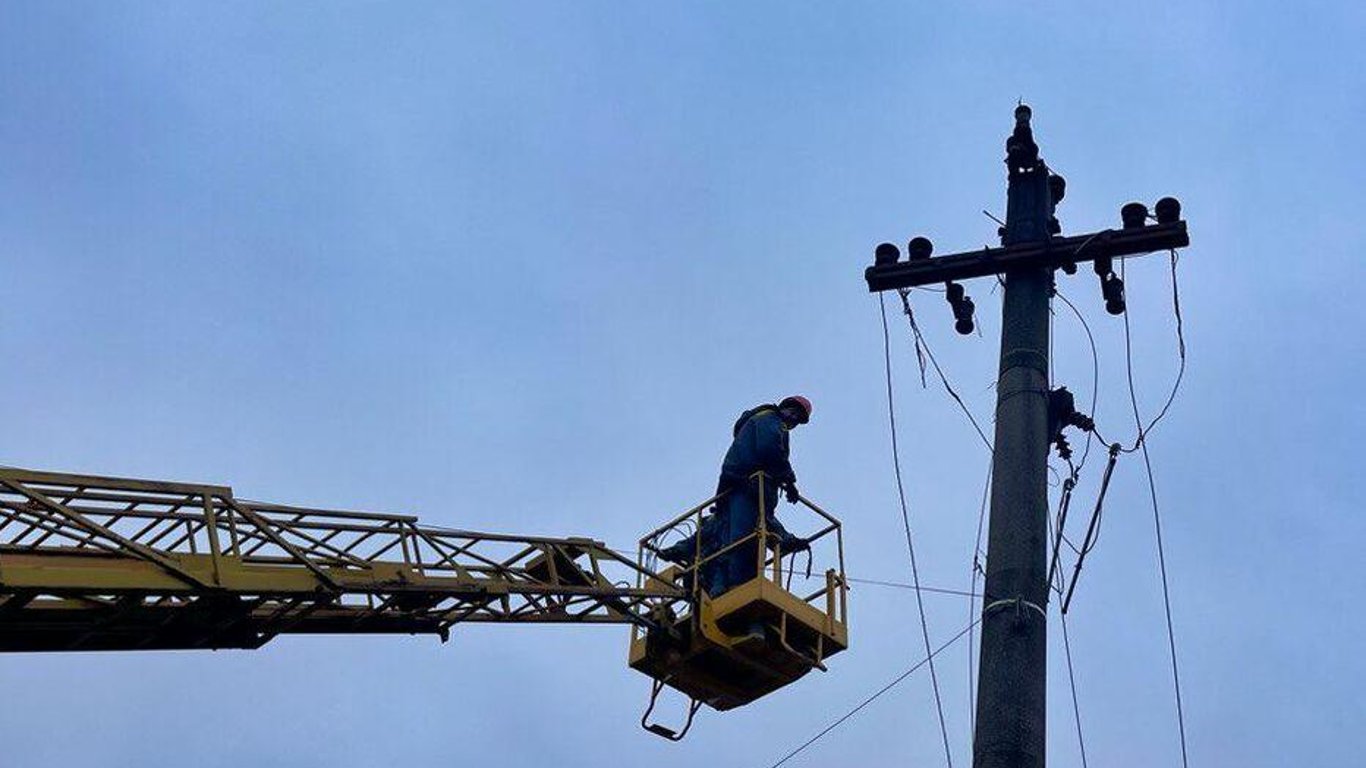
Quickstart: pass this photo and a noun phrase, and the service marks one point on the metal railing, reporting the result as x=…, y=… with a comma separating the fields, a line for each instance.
x=770, y=556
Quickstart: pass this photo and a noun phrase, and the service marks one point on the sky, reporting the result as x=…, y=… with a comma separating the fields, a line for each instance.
x=517, y=267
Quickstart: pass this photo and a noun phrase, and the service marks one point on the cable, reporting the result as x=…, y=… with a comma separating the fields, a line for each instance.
x=1055, y=583
x=1152, y=492
x=1095, y=373
x=1129, y=362
x=920, y=338
x=1167, y=606
x=906, y=523
x=895, y=585
x=1180, y=346
x=972, y=604
x=889, y=686
x=899, y=585
x=977, y=554
x=1072, y=682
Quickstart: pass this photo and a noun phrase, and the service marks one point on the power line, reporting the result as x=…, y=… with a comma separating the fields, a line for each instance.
x=1167, y=605
x=889, y=686
x=1152, y=492
x=1072, y=682
x=1095, y=373
x=896, y=585
x=1055, y=583
x=1181, y=352
x=981, y=515
x=906, y=523
x=936, y=590
x=1180, y=346
x=972, y=604
x=920, y=339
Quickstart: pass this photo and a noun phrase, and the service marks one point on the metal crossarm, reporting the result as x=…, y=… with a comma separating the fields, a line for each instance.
x=1057, y=252
x=100, y=563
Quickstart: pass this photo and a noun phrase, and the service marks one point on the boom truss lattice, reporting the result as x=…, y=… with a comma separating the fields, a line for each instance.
x=100, y=563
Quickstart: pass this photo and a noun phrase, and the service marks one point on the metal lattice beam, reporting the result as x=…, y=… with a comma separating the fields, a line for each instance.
x=96, y=563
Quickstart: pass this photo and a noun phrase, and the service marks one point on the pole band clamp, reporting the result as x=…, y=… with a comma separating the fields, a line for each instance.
x=1024, y=357
x=1015, y=602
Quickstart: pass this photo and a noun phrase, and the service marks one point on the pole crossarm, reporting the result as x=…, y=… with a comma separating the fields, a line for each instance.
x=101, y=563
x=1055, y=253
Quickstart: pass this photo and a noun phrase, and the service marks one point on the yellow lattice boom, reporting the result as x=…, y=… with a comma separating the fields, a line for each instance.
x=102, y=563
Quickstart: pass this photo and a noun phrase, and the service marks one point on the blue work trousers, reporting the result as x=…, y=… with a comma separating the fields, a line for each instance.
x=739, y=512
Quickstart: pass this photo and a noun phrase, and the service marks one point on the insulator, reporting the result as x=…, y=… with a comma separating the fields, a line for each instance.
x=963, y=307
x=1168, y=210
x=919, y=248
x=1103, y=265
x=885, y=254
x=1112, y=289
x=1134, y=215
x=1057, y=188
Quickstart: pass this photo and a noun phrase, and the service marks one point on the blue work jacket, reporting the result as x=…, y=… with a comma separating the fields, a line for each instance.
x=760, y=444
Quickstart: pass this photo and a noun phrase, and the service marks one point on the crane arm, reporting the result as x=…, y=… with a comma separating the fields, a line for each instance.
x=102, y=563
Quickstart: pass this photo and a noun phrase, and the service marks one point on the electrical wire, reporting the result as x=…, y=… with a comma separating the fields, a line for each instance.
x=1152, y=492
x=1167, y=606
x=1095, y=373
x=1055, y=584
x=1072, y=683
x=889, y=686
x=906, y=523
x=920, y=339
x=972, y=604
x=1180, y=346
x=935, y=590
x=894, y=585
x=1181, y=351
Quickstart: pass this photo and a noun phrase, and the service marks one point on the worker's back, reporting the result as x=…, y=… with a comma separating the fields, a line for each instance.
x=760, y=444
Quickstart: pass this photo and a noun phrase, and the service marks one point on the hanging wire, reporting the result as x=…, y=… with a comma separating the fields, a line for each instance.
x=889, y=686
x=906, y=524
x=1180, y=349
x=1180, y=345
x=920, y=339
x=1072, y=683
x=977, y=570
x=1152, y=492
x=1055, y=584
x=1095, y=373
x=922, y=588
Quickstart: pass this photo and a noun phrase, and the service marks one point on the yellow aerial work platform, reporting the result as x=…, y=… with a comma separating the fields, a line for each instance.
x=94, y=563
x=709, y=650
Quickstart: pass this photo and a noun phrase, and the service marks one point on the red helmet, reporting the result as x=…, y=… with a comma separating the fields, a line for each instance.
x=799, y=402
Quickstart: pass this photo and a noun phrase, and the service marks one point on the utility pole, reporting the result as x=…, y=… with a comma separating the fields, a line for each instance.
x=1012, y=683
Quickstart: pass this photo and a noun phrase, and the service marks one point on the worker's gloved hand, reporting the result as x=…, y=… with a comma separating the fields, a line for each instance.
x=797, y=544
x=790, y=490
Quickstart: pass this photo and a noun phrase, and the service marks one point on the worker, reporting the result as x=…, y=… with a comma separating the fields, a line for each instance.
x=759, y=444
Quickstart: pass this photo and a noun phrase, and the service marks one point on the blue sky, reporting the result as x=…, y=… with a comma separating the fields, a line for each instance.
x=518, y=267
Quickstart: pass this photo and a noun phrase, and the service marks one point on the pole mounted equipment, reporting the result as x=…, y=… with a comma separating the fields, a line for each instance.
x=1030, y=416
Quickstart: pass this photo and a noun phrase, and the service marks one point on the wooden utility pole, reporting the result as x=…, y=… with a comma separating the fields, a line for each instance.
x=1012, y=682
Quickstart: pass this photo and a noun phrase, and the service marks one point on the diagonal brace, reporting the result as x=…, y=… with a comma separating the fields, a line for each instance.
x=133, y=547
x=263, y=525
